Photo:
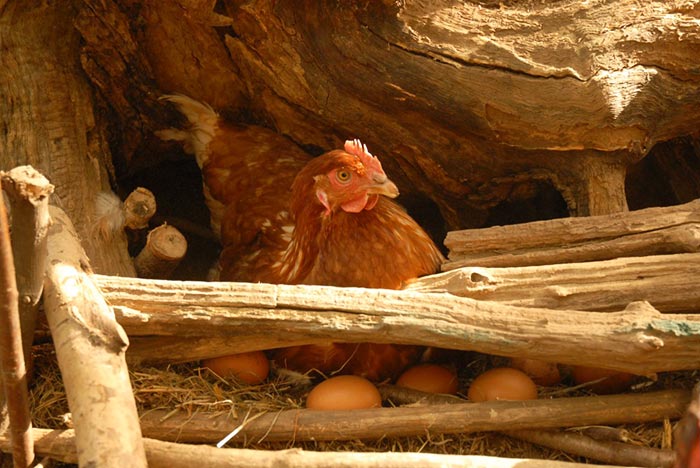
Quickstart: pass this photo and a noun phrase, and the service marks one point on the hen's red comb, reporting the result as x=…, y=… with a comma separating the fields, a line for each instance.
x=358, y=149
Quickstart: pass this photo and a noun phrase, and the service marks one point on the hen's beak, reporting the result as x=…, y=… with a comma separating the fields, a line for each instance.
x=381, y=185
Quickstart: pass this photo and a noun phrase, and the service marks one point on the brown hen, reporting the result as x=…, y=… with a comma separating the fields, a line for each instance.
x=284, y=217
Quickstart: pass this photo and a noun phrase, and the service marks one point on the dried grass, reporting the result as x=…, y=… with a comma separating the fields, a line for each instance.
x=193, y=389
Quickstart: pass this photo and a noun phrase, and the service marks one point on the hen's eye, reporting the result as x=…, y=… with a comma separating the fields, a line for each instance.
x=343, y=176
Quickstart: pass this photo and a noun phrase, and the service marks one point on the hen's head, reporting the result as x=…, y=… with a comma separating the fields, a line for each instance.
x=350, y=180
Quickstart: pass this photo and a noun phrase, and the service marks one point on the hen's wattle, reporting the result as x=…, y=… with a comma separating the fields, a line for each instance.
x=284, y=217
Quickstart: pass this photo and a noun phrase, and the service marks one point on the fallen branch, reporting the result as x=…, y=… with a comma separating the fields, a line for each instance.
x=90, y=347
x=196, y=320
x=165, y=247
x=652, y=231
x=14, y=373
x=616, y=453
x=60, y=445
x=667, y=281
x=375, y=423
x=139, y=208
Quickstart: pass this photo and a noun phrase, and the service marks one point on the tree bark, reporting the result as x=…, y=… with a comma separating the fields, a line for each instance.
x=49, y=119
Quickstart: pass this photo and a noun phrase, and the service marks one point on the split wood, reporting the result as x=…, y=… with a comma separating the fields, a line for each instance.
x=14, y=372
x=184, y=321
x=668, y=282
x=303, y=424
x=60, y=445
x=90, y=348
x=165, y=248
x=28, y=192
x=651, y=231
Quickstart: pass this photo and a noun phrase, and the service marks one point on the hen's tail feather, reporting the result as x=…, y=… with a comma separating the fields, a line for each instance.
x=204, y=122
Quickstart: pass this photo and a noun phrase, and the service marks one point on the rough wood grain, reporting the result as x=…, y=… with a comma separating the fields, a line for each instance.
x=165, y=248
x=49, y=121
x=668, y=282
x=645, y=232
x=248, y=316
x=59, y=444
x=90, y=348
x=374, y=423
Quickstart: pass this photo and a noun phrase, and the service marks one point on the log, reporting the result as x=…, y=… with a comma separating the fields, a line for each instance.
x=60, y=445
x=645, y=232
x=668, y=282
x=302, y=424
x=165, y=248
x=28, y=192
x=139, y=208
x=90, y=348
x=264, y=316
x=14, y=400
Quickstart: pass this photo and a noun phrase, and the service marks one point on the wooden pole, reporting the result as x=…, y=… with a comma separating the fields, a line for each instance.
x=14, y=375
x=303, y=424
x=28, y=192
x=60, y=445
x=165, y=247
x=90, y=347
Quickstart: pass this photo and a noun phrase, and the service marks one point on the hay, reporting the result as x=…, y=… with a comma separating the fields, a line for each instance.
x=187, y=387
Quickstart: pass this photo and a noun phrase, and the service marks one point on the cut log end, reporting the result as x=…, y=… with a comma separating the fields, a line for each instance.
x=165, y=248
x=139, y=208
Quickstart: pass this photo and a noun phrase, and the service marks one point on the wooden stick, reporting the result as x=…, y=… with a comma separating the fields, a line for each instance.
x=14, y=374
x=60, y=445
x=668, y=281
x=139, y=208
x=28, y=192
x=263, y=316
x=411, y=421
x=643, y=232
x=164, y=249
x=616, y=453
x=90, y=347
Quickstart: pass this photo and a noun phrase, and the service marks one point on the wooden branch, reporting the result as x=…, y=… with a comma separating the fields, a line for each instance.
x=645, y=232
x=265, y=316
x=28, y=192
x=14, y=373
x=667, y=281
x=616, y=453
x=375, y=423
x=90, y=348
x=60, y=445
x=164, y=249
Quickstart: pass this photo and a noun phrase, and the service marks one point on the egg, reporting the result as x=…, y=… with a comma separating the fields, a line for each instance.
x=541, y=372
x=614, y=381
x=502, y=383
x=344, y=392
x=429, y=378
x=251, y=368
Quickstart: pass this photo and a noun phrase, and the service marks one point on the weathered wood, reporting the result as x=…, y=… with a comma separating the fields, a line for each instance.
x=264, y=316
x=645, y=232
x=49, y=119
x=60, y=444
x=90, y=347
x=668, y=282
x=139, y=208
x=14, y=374
x=616, y=453
x=374, y=423
x=28, y=192
x=165, y=248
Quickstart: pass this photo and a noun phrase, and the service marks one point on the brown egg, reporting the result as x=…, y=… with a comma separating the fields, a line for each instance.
x=614, y=381
x=344, y=392
x=429, y=378
x=251, y=368
x=502, y=383
x=541, y=372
